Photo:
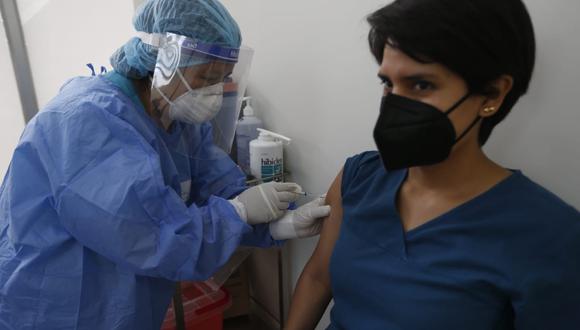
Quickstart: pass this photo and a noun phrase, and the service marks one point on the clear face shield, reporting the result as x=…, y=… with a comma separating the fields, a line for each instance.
x=197, y=83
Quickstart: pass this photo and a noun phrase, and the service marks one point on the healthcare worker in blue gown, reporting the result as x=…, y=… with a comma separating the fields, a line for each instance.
x=118, y=187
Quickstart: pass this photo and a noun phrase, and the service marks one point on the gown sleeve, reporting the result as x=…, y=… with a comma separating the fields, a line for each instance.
x=109, y=194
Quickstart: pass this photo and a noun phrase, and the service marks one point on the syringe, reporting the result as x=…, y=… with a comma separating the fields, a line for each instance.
x=302, y=193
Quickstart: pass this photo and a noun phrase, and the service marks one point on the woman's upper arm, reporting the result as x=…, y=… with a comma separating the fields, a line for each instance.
x=318, y=265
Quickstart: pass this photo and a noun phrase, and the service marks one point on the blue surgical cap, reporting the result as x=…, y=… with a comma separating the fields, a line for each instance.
x=205, y=20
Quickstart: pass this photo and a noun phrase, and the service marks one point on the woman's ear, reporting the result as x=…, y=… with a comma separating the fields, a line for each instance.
x=499, y=88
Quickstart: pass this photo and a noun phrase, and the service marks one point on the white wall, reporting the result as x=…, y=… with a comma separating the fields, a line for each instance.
x=314, y=80
x=542, y=135
x=64, y=35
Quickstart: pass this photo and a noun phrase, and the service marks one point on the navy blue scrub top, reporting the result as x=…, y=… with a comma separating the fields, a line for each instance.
x=508, y=259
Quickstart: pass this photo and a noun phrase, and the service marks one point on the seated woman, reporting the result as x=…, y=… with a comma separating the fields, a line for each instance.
x=428, y=232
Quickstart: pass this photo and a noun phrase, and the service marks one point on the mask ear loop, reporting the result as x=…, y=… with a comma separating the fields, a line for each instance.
x=182, y=78
x=167, y=100
x=470, y=127
x=457, y=104
x=161, y=93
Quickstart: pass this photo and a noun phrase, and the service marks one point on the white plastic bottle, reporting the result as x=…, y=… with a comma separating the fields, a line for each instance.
x=246, y=131
x=267, y=155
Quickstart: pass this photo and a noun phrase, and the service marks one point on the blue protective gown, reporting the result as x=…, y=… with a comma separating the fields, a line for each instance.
x=508, y=259
x=94, y=229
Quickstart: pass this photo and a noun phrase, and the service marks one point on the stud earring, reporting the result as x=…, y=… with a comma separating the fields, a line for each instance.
x=489, y=110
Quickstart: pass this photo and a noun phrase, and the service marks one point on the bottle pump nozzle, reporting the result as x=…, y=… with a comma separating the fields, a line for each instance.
x=248, y=110
x=276, y=136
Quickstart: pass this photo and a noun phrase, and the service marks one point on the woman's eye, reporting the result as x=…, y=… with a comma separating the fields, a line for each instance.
x=211, y=80
x=423, y=85
x=387, y=84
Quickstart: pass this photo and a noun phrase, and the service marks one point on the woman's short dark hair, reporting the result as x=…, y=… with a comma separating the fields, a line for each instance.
x=480, y=40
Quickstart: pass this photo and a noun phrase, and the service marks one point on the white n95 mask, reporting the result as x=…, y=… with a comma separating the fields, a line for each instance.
x=196, y=106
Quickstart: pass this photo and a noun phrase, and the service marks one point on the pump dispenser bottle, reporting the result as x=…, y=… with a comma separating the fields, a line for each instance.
x=246, y=131
x=267, y=155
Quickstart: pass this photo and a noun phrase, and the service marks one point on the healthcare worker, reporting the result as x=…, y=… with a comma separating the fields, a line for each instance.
x=118, y=188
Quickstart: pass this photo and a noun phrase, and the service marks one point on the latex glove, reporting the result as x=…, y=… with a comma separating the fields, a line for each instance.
x=303, y=222
x=265, y=202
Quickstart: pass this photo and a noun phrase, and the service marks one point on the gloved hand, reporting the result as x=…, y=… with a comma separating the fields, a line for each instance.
x=265, y=202
x=300, y=223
